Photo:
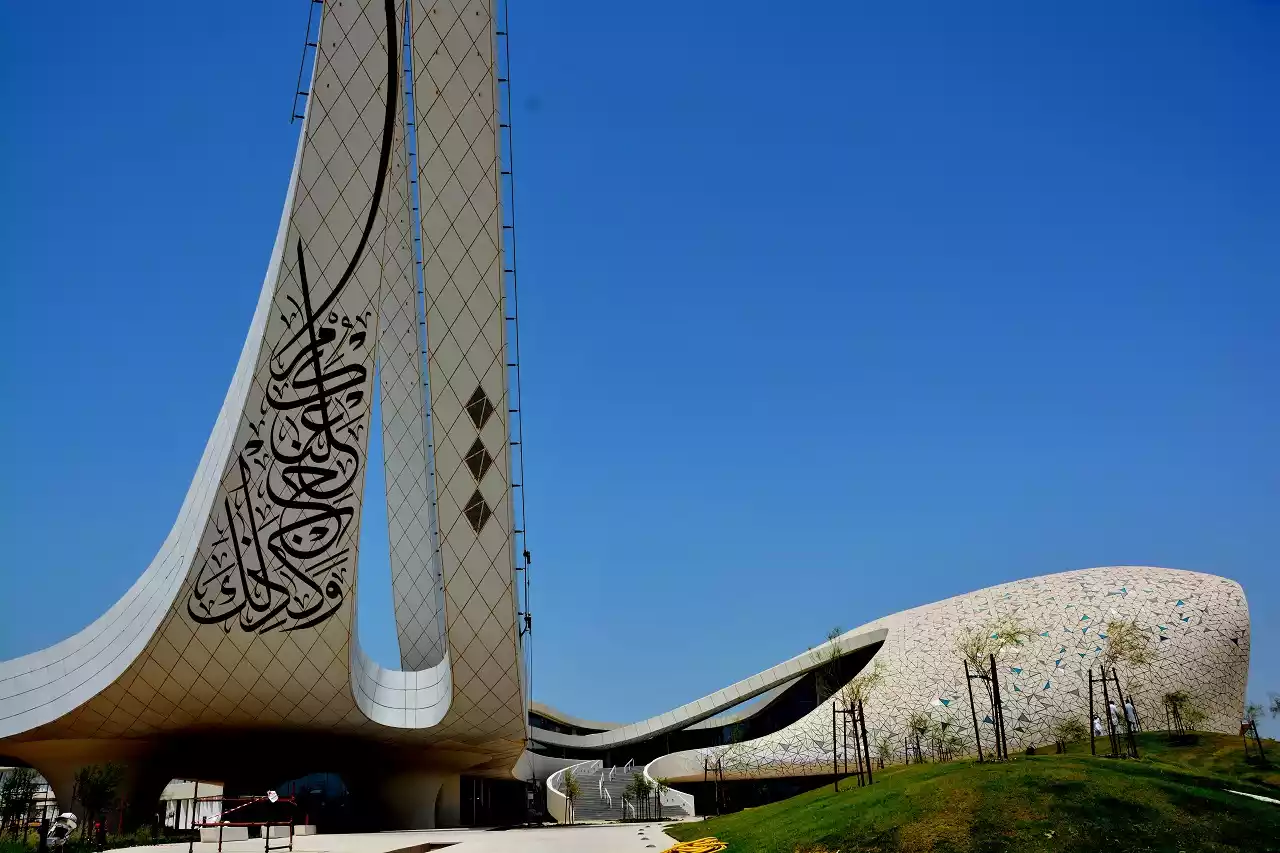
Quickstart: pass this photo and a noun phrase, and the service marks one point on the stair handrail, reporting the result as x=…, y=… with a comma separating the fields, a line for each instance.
x=670, y=796
x=555, y=795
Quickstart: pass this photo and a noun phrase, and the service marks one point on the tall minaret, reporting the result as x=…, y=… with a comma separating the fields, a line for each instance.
x=456, y=118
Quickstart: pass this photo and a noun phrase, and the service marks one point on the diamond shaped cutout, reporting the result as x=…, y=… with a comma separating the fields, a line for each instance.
x=479, y=408
x=478, y=460
x=477, y=511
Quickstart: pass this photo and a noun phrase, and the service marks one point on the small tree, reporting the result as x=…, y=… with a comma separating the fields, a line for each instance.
x=918, y=724
x=1068, y=731
x=953, y=744
x=856, y=692
x=862, y=685
x=995, y=638
x=884, y=749
x=1127, y=645
x=660, y=787
x=1128, y=649
x=1252, y=712
x=638, y=790
x=826, y=678
x=572, y=793
x=1183, y=713
x=96, y=788
x=991, y=641
x=18, y=792
x=1275, y=706
x=944, y=743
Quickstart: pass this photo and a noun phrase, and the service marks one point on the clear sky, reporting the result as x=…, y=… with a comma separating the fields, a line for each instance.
x=828, y=309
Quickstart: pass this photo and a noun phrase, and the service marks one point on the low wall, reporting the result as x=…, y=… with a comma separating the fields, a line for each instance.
x=557, y=804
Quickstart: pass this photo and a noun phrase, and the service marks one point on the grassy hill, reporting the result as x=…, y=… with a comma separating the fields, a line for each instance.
x=1173, y=799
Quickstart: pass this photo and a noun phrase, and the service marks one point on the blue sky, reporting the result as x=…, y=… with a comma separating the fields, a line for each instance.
x=829, y=309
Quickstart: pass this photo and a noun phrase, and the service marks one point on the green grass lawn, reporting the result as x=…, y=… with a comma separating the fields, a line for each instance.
x=1172, y=799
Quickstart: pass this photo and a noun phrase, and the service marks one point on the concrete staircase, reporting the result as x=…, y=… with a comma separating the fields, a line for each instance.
x=602, y=796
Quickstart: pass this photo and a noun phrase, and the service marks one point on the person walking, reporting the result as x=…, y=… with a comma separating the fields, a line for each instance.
x=1097, y=726
x=1131, y=715
x=1115, y=715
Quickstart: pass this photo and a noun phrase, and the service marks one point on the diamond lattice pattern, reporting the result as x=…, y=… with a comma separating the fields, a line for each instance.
x=457, y=134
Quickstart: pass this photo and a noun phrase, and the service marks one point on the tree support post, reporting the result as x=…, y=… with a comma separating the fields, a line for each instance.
x=1002, y=744
x=857, y=746
x=973, y=711
x=835, y=766
x=844, y=742
x=1093, y=749
x=866, y=746
x=1111, y=724
x=1133, y=741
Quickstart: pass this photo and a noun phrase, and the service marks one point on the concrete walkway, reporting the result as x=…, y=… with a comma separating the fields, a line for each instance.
x=618, y=838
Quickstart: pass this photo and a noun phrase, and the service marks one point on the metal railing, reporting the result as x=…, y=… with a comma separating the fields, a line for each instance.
x=670, y=796
x=557, y=804
x=270, y=799
x=645, y=808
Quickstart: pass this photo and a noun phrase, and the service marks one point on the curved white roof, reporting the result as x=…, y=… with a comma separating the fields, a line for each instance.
x=687, y=715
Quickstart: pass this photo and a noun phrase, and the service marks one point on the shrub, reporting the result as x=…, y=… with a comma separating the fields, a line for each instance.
x=1068, y=731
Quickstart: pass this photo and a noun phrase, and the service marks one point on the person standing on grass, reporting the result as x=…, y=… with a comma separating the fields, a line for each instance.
x=1115, y=716
x=1130, y=714
x=1097, y=726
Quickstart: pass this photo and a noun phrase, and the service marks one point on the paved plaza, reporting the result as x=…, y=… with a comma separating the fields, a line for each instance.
x=622, y=838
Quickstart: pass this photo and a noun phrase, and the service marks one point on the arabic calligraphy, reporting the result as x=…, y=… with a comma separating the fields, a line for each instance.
x=280, y=556
x=277, y=561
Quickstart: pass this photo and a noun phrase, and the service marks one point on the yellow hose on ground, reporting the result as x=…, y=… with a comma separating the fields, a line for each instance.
x=702, y=845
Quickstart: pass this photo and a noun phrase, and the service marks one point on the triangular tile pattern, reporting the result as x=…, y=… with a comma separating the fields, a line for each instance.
x=1198, y=626
x=457, y=135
